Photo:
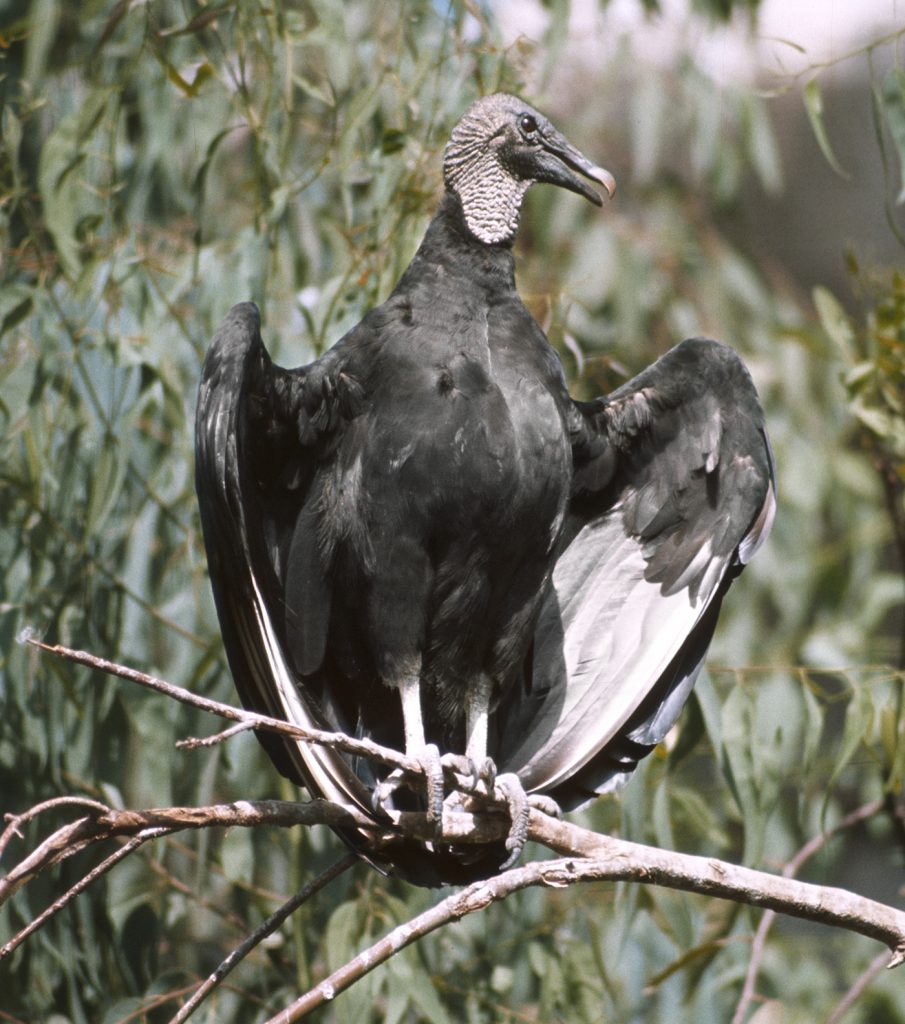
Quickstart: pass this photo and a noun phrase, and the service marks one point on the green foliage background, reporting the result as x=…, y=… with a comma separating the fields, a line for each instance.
x=163, y=160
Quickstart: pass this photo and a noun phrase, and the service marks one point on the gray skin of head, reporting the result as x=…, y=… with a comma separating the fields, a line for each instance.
x=501, y=147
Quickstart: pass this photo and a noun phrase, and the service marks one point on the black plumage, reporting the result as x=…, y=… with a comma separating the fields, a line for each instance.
x=426, y=510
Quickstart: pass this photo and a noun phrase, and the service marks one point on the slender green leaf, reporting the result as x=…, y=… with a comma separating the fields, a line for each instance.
x=813, y=103
x=835, y=322
x=893, y=106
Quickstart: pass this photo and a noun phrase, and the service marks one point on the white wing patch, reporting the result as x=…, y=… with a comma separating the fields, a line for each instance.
x=620, y=634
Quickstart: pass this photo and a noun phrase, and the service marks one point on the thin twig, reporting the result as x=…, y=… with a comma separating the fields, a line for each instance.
x=335, y=740
x=192, y=742
x=16, y=820
x=79, y=887
x=260, y=933
x=790, y=870
x=857, y=990
x=815, y=67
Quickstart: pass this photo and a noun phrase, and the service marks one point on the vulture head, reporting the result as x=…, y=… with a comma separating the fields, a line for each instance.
x=498, y=150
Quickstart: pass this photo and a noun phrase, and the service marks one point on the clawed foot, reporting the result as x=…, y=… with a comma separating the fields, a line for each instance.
x=429, y=758
x=510, y=789
x=481, y=779
x=471, y=779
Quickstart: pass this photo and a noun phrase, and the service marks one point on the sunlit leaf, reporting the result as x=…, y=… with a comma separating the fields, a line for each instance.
x=878, y=422
x=762, y=147
x=813, y=102
x=893, y=99
x=835, y=322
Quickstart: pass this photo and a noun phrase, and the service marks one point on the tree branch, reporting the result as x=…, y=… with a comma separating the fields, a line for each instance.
x=584, y=855
x=109, y=823
x=606, y=859
x=363, y=748
x=612, y=858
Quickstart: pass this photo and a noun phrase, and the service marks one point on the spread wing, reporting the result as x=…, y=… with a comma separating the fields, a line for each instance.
x=674, y=492
x=258, y=432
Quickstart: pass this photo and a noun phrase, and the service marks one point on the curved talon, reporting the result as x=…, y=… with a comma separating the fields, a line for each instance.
x=509, y=788
x=485, y=774
x=384, y=790
x=429, y=759
x=471, y=776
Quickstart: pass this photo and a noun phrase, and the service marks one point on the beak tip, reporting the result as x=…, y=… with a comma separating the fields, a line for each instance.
x=603, y=177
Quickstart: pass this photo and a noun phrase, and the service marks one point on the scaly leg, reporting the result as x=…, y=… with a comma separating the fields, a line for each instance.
x=415, y=747
x=507, y=787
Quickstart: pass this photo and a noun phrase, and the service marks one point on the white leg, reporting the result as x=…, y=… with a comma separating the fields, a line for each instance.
x=415, y=747
x=477, y=713
x=507, y=787
x=413, y=722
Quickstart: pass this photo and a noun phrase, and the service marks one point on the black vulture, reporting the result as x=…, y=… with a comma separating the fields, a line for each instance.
x=421, y=538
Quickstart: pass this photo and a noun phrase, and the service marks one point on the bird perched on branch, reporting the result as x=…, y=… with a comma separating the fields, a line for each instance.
x=421, y=538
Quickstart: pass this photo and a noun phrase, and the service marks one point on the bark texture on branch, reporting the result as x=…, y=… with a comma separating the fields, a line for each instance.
x=583, y=855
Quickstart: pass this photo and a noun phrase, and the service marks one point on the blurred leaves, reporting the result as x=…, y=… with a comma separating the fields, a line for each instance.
x=161, y=161
x=873, y=358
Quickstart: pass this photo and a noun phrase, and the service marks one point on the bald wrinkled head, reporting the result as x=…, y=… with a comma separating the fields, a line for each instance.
x=501, y=147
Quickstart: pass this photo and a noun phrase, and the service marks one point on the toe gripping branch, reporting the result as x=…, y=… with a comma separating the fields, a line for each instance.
x=431, y=766
x=469, y=783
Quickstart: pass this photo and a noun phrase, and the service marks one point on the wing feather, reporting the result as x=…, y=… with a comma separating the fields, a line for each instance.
x=635, y=592
x=245, y=565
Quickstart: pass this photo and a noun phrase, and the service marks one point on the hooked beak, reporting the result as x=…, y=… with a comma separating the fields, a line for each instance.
x=558, y=163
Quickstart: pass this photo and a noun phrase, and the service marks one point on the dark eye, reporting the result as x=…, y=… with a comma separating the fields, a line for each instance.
x=528, y=124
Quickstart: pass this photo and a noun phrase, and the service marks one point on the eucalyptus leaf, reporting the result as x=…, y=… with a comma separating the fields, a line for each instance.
x=342, y=935
x=835, y=322
x=813, y=103
x=859, y=719
x=893, y=106
x=237, y=855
